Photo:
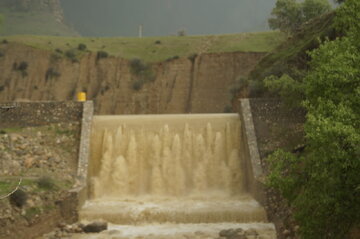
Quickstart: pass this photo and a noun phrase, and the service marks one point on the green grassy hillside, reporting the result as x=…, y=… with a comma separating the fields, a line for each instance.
x=154, y=49
x=38, y=23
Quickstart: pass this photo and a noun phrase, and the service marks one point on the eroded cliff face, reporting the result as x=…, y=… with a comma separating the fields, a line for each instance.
x=197, y=85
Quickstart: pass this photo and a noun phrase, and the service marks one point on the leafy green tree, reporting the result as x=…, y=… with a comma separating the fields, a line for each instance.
x=314, y=8
x=288, y=15
x=323, y=185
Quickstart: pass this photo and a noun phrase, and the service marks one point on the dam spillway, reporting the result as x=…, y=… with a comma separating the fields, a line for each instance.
x=170, y=169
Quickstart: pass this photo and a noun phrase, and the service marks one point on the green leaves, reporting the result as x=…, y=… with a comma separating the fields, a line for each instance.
x=326, y=195
x=288, y=15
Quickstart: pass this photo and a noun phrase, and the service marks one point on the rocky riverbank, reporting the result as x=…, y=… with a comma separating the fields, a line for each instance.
x=37, y=168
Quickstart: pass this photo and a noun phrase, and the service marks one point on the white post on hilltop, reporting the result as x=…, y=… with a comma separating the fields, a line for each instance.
x=140, y=30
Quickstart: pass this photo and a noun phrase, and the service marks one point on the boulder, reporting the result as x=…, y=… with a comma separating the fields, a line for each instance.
x=95, y=227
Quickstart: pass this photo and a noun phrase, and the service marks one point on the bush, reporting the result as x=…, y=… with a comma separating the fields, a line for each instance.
x=51, y=73
x=5, y=41
x=71, y=54
x=157, y=42
x=22, y=66
x=101, y=55
x=46, y=183
x=82, y=47
x=18, y=198
x=181, y=33
x=173, y=58
x=137, y=66
x=58, y=50
x=192, y=57
x=137, y=85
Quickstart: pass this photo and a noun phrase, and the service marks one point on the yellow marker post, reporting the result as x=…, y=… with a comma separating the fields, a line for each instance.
x=81, y=96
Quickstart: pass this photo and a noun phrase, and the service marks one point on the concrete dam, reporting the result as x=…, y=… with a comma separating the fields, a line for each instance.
x=171, y=176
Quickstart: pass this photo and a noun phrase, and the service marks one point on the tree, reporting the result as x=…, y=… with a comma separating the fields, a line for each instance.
x=323, y=185
x=288, y=15
x=314, y=8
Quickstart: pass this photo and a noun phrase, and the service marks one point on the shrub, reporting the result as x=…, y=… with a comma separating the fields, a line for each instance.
x=58, y=50
x=137, y=66
x=71, y=54
x=157, y=42
x=101, y=54
x=192, y=57
x=137, y=85
x=82, y=47
x=5, y=41
x=22, y=66
x=181, y=33
x=46, y=183
x=18, y=198
x=173, y=58
x=51, y=73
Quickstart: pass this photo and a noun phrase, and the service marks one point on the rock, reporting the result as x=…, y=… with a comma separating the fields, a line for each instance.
x=95, y=227
x=251, y=234
x=29, y=161
x=227, y=233
x=286, y=232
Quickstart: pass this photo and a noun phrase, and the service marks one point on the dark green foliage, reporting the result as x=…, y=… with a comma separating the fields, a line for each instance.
x=46, y=183
x=51, y=73
x=82, y=47
x=172, y=58
x=157, y=42
x=323, y=184
x=181, y=33
x=18, y=198
x=21, y=67
x=58, y=50
x=143, y=72
x=101, y=55
x=137, y=66
x=290, y=57
x=192, y=57
x=5, y=41
x=71, y=54
x=289, y=15
x=137, y=85
x=290, y=90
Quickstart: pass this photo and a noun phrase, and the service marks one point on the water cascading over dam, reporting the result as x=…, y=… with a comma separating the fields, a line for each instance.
x=170, y=169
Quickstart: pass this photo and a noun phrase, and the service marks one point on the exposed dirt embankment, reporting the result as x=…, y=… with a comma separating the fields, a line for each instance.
x=198, y=84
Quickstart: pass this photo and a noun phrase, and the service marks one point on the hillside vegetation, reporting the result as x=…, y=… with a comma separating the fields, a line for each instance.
x=291, y=57
x=156, y=49
x=38, y=17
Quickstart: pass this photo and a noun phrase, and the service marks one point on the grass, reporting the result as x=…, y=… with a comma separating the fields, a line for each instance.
x=33, y=22
x=7, y=184
x=149, y=49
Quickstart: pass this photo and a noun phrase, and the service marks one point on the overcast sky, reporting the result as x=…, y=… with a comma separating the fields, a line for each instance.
x=166, y=17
